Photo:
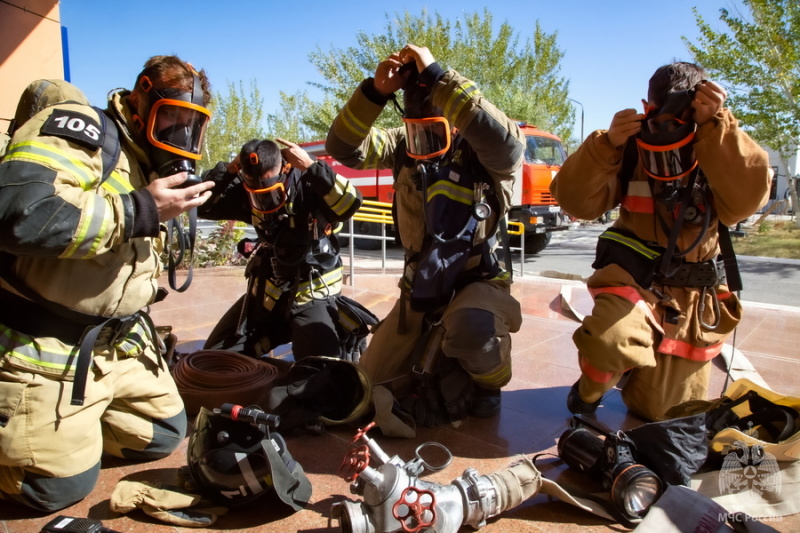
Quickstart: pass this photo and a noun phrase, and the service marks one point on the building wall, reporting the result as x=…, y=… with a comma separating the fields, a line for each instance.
x=781, y=183
x=30, y=49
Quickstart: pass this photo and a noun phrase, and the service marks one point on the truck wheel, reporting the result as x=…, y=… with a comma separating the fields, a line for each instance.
x=367, y=228
x=536, y=242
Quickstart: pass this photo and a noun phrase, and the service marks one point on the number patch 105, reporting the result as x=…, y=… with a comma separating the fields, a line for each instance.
x=74, y=126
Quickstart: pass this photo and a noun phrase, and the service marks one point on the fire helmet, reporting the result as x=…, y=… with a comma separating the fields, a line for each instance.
x=176, y=123
x=427, y=131
x=229, y=458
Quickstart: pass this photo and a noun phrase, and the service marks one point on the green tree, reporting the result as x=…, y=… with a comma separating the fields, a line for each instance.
x=758, y=60
x=521, y=78
x=236, y=118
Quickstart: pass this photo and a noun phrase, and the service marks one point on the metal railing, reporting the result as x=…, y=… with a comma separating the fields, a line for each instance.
x=381, y=214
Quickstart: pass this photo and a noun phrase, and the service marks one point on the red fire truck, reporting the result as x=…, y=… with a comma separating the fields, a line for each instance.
x=533, y=205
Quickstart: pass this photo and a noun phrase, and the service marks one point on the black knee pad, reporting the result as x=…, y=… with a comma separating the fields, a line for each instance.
x=167, y=436
x=51, y=494
x=471, y=338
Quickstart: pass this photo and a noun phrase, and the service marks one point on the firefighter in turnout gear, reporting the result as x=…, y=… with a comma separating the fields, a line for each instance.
x=665, y=278
x=81, y=207
x=444, y=349
x=294, y=270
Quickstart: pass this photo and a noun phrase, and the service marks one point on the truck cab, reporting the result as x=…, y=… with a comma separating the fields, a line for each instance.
x=532, y=204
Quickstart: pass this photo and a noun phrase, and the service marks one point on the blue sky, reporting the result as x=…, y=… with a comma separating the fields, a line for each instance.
x=611, y=46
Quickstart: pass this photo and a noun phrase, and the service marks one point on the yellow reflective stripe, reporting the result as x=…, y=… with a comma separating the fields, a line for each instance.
x=633, y=244
x=88, y=235
x=272, y=290
x=501, y=276
x=377, y=143
x=352, y=123
x=47, y=155
x=452, y=191
x=117, y=184
x=348, y=196
x=497, y=378
x=348, y=323
x=458, y=100
x=328, y=278
x=25, y=348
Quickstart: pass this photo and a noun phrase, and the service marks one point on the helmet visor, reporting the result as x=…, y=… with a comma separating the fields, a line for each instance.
x=266, y=199
x=178, y=127
x=427, y=138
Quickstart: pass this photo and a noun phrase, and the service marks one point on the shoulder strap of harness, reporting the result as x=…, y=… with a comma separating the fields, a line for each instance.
x=111, y=145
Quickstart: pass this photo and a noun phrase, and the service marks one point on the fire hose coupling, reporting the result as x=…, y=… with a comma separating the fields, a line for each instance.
x=396, y=499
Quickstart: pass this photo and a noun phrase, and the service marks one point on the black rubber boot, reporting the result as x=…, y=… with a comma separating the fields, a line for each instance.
x=577, y=406
x=485, y=403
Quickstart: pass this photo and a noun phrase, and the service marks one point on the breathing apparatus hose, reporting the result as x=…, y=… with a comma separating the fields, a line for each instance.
x=209, y=378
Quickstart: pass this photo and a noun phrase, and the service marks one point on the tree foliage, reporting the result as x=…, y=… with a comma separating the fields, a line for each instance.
x=758, y=59
x=236, y=118
x=520, y=76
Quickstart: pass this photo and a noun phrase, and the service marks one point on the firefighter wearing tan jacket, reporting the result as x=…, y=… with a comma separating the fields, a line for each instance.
x=662, y=319
x=78, y=250
x=457, y=156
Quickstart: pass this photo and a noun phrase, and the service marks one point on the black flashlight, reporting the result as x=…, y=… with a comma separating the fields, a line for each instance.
x=610, y=457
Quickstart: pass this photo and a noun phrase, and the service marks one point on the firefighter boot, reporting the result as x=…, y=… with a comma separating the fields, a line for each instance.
x=576, y=405
x=485, y=403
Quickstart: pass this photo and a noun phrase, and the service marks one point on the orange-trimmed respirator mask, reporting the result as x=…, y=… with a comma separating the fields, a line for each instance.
x=666, y=141
x=266, y=195
x=176, y=123
x=427, y=131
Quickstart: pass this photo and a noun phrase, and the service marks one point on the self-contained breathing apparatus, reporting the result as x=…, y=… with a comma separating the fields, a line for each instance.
x=455, y=192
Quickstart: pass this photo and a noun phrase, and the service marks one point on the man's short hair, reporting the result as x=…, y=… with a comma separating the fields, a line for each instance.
x=674, y=77
x=258, y=157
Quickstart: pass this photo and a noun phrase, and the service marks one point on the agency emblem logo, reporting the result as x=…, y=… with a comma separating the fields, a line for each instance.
x=749, y=469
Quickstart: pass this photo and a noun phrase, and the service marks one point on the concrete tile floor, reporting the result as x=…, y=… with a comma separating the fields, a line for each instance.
x=533, y=416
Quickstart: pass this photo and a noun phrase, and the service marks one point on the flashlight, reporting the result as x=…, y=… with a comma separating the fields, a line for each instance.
x=633, y=487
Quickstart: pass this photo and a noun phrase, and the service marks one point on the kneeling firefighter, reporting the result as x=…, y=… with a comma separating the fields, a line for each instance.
x=294, y=271
x=445, y=346
x=665, y=281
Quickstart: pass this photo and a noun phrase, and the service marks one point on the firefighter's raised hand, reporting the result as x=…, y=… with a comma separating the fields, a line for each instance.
x=418, y=54
x=388, y=77
x=707, y=101
x=171, y=202
x=295, y=155
x=624, y=124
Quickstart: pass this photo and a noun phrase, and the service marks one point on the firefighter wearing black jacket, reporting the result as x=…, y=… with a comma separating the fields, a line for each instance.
x=294, y=272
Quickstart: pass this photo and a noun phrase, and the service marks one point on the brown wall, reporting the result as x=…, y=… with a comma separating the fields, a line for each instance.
x=30, y=49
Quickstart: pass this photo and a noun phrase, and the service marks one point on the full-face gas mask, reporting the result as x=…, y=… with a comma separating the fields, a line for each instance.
x=427, y=131
x=176, y=124
x=267, y=195
x=666, y=141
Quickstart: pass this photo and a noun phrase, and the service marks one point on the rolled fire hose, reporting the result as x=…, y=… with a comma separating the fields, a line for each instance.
x=209, y=378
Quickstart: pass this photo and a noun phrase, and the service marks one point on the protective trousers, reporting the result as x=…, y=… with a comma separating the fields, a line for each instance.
x=50, y=450
x=618, y=337
x=476, y=326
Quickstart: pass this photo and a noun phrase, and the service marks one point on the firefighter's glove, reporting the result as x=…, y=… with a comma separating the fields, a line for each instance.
x=169, y=504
